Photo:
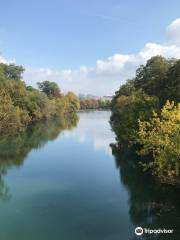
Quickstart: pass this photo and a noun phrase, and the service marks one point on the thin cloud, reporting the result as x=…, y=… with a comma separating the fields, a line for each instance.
x=173, y=32
x=115, y=19
x=105, y=77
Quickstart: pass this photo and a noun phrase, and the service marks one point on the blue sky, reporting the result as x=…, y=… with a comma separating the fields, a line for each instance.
x=67, y=34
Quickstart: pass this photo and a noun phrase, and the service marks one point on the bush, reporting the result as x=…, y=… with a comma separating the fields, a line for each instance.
x=125, y=114
x=11, y=117
x=160, y=140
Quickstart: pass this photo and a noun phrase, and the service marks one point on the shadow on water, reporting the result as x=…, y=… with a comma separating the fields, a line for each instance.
x=14, y=149
x=151, y=205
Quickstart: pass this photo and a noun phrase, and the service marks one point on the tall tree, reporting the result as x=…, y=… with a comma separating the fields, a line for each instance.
x=51, y=89
x=151, y=77
x=172, y=83
x=11, y=71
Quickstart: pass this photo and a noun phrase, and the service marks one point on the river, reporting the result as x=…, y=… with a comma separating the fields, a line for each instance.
x=61, y=182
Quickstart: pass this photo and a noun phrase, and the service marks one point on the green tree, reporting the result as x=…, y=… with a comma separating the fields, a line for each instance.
x=73, y=101
x=126, y=89
x=11, y=71
x=11, y=117
x=138, y=120
x=151, y=77
x=126, y=111
x=51, y=89
x=172, y=83
x=160, y=141
x=21, y=104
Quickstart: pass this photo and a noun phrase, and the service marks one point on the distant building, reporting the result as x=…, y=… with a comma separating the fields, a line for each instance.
x=109, y=98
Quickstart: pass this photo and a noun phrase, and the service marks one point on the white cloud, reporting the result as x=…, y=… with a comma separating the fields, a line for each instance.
x=108, y=74
x=173, y=32
x=3, y=60
x=99, y=138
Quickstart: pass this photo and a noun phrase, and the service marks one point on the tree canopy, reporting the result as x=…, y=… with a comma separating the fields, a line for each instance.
x=21, y=104
x=145, y=114
x=152, y=78
x=10, y=71
x=51, y=89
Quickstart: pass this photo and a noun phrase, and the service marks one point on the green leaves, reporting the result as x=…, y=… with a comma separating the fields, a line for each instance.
x=51, y=89
x=146, y=113
x=127, y=110
x=12, y=117
x=160, y=137
x=11, y=71
x=21, y=104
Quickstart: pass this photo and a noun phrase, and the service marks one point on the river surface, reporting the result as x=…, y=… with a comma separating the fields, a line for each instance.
x=61, y=182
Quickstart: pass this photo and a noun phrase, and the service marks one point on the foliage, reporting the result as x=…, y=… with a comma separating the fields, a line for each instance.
x=127, y=110
x=160, y=138
x=73, y=101
x=126, y=89
x=141, y=116
x=86, y=104
x=21, y=104
x=172, y=83
x=51, y=89
x=11, y=117
x=10, y=71
x=151, y=77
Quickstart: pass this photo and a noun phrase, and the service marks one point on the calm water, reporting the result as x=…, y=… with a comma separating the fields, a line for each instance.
x=59, y=181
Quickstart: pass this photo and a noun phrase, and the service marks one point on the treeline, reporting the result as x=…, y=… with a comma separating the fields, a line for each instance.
x=21, y=104
x=146, y=115
x=88, y=104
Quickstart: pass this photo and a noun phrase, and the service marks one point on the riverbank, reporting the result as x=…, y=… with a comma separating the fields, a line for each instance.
x=22, y=105
x=146, y=115
x=63, y=180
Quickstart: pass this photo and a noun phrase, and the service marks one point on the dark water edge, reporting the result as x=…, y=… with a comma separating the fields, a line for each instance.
x=152, y=204
x=61, y=180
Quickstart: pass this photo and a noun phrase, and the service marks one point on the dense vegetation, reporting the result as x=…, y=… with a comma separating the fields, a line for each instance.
x=102, y=104
x=146, y=114
x=21, y=104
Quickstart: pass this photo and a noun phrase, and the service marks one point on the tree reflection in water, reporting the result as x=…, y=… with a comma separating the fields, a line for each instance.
x=14, y=149
x=151, y=205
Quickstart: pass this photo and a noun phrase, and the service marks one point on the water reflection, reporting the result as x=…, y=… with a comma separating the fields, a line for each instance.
x=15, y=149
x=94, y=129
x=70, y=189
x=151, y=205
